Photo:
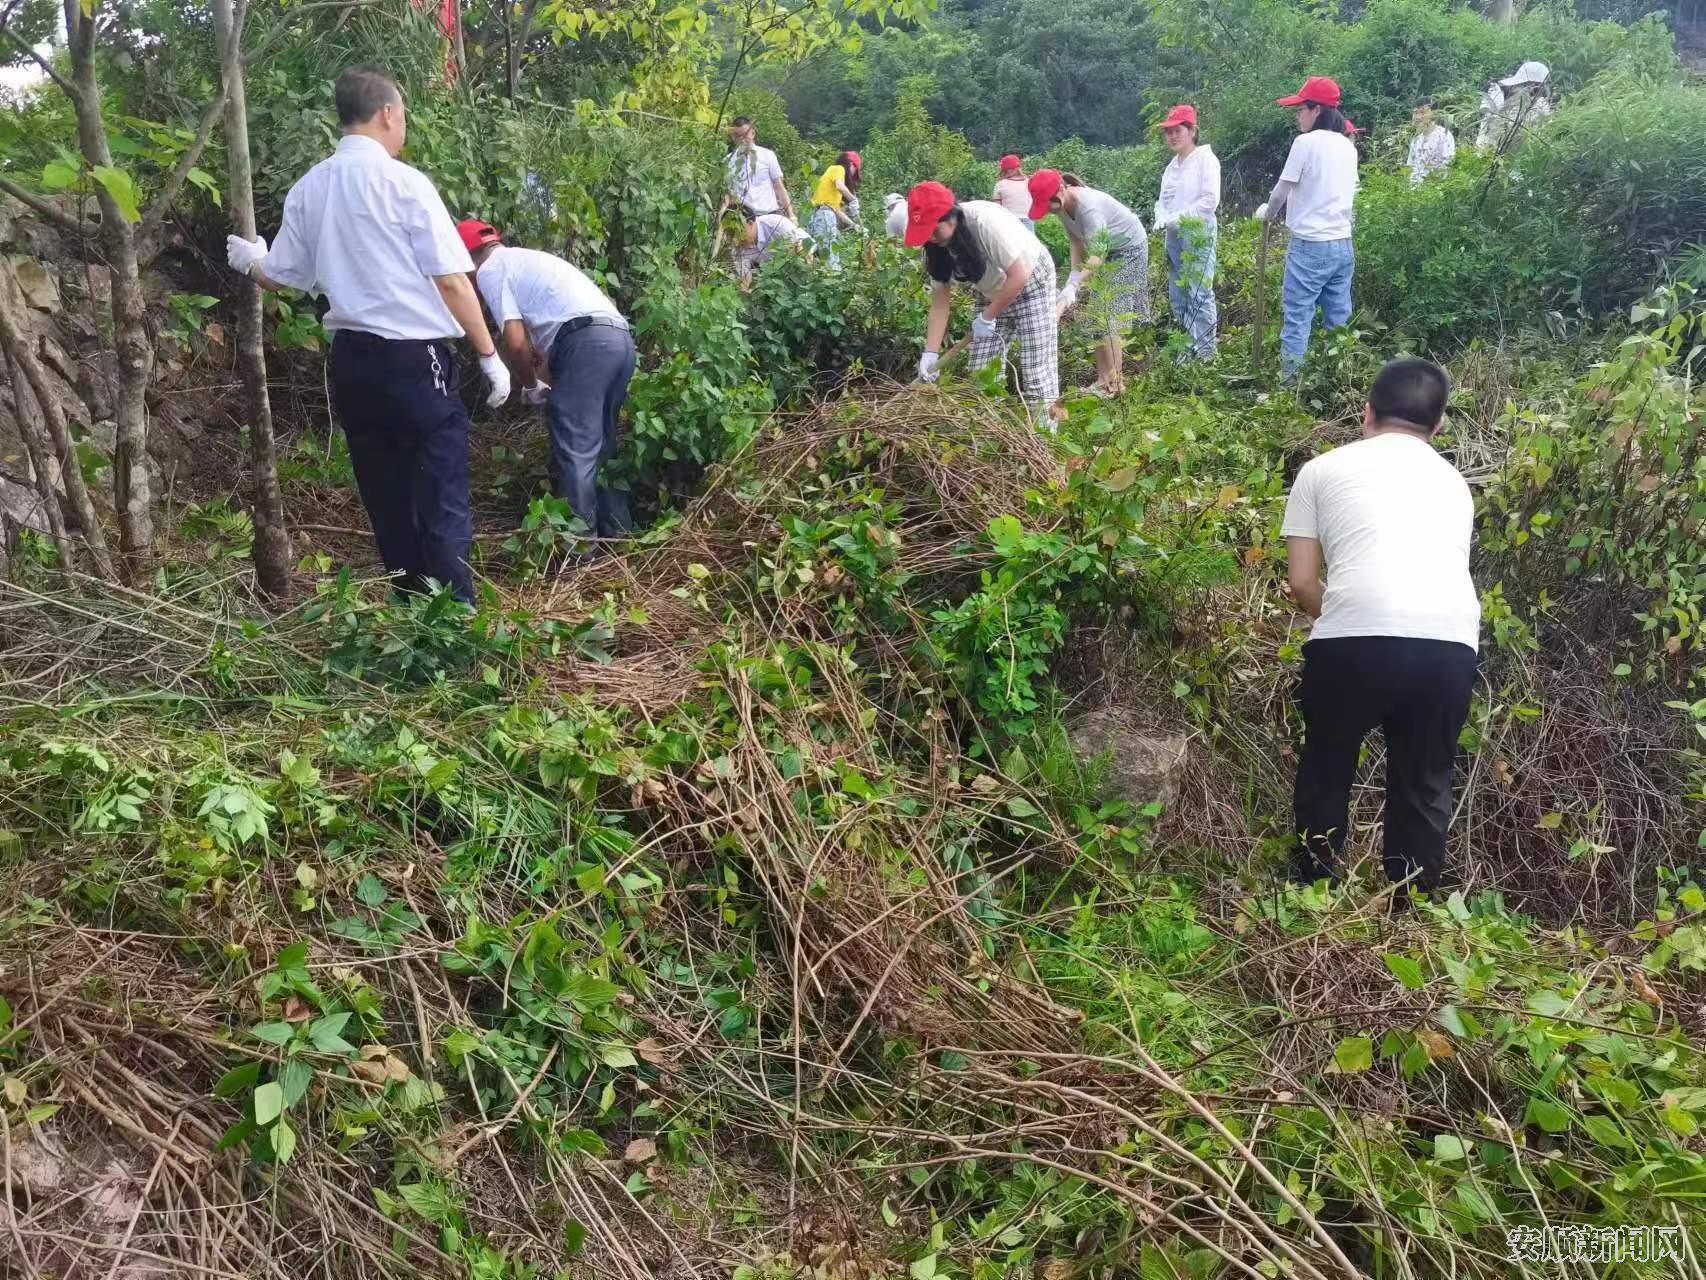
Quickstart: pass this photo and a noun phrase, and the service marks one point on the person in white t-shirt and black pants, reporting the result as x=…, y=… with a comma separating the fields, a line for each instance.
x=553, y=319
x=1315, y=194
x=371, y=234
x=754, y=175
x=1397, y=624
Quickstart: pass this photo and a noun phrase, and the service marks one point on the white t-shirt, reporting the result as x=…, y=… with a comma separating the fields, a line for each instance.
x=1430, y=152
x=1002, y=240
x=1323, y=164
x=1014, y=195
x=1191, y=187
x=1394, y=520
x=370, y=233
x=751, y=175
x=774, y=229
x=540, y=290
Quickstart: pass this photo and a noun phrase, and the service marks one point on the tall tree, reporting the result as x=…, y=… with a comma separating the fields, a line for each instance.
x=272, y=539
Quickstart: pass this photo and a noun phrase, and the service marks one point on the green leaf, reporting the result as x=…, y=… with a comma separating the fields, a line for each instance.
x=295, y=956
x=47, y=1110
x=370, y=891
x=56, y=175
x=1547, y=1114
x=585, y=989
x=269, y=1102
x=924, y=1268
x=1020, y=807
x=283, y=1142
x=1605, y=1131
x=1407, y=971
x=294, y=1078
x=617, y=1055
x=574, y=1236
x=1680, y=1121
x=1548, y=1004
x=1448, y=1146
x=237, y=1080
x=324, y=1032
x=122, y=188
x=1457, y=1022
x=279, y=1033
x=1354, y=1054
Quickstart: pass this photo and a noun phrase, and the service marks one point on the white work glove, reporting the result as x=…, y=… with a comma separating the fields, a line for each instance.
x=927, y=366
x=1160, y=222
x=982, y=327
x=536, y=395
x=497, y=374
x=1067, y=300
x=244, y=254
x=1262, y=212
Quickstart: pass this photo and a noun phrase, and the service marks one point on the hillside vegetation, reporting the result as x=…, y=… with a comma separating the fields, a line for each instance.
x=748, y=904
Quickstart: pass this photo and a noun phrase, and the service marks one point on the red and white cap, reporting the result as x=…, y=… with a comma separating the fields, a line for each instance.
x=476, y=234
x=1184, y=113
x=1319, y=89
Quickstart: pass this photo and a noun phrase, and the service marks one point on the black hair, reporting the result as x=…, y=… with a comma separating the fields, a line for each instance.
x=1422, y=102
x=852, y=171
x=1327, y=117
x=1072, y=180
x=361, y=91
x=1410, y=392
x=960, y=258
x=740, y=122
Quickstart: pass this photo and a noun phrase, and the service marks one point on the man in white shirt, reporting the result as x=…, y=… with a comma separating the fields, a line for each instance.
x=759, y=238
x=372, y=235
x=754, y=175
x=1397, y=624
x=1432, y=149
x=551, y=317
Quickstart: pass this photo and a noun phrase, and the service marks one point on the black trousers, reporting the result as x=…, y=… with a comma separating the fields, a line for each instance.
x=408, y=441
x=590, y=371
x=1418, y=692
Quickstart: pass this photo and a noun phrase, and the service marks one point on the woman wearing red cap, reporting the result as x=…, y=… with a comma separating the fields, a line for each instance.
x=835, y=202
x=1099, y=229
x=1011, y=193
x=1316, y=193
x=1187, y=212
x=1009, y=271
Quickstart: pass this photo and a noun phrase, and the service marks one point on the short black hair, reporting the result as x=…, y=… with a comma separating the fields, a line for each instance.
x=740, y=122
x=361, y=91
x=1410, y=392
x=1423, y=102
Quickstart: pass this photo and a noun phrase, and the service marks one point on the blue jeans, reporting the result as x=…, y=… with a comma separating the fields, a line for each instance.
x=1317, y=273
x=590, y=369
x=1190, y=284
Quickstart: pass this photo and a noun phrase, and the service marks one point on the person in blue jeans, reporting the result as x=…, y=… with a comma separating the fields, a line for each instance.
x=1316, y=195
x=556, y=324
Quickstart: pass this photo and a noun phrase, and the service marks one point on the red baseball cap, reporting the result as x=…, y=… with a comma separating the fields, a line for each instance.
x=475, y=233
x=1351, y=129
x=857, y=162
x=1321, y=89
x=1045, y=186
x=926, y=205
x=1184, y=113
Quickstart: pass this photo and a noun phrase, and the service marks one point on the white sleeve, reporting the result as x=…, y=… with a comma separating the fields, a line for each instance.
x=290, y=259
x=1448, y=152
x=1207, y=203
x=438, y=250
x=773, y=166
x=1297, y=160
x=1300, y=519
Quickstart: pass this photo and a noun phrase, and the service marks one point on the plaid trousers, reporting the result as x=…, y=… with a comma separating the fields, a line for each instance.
x=1032, y=321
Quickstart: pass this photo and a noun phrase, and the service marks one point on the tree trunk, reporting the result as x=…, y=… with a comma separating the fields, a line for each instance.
x=29, y=427
x=518, y=43
x=130, y=332
x=28, y=370
x=272, y=539
x=1501, y=11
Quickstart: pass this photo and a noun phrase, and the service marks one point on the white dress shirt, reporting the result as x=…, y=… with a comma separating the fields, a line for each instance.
x=1430, y=152
x=370, y=232
x=1190, y=187
x=541, y=291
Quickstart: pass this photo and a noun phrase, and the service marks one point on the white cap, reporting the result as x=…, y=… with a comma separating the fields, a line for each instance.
x=896, y=223
x=1527, y=73
x=892, y=199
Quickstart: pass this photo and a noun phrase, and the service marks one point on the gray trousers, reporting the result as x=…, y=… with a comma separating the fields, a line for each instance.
x=590, y=370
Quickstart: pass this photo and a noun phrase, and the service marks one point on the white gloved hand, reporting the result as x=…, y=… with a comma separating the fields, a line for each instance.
x=927, y=366
x=1160, y=222
x=1262, y=212
x=244, y=254
x=536, y=395
x=497, y=374
x=1068, y=298
x=982, y=327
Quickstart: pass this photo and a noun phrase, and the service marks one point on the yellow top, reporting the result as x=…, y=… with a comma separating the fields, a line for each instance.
x=827, y=192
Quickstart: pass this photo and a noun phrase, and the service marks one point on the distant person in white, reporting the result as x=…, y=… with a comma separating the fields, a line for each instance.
x=895, y=221
x=1187, y=213
x=759, y=238
x=1316, y=194
x=1432, y=149
x=1397, y=624
x=553, y=319
x=371, y=234
x=754, y=175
